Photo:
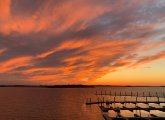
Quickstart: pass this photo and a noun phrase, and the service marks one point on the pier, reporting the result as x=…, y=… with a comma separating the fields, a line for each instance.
x=135, y=103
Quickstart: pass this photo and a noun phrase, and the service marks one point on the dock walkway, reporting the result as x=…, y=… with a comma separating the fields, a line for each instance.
x=107, y=104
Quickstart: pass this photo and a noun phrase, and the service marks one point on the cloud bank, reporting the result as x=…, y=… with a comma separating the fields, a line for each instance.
x=78, y=41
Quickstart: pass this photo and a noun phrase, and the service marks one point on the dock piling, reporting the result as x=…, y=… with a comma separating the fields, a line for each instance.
x=98, y=100
x=146, y=99
x=157, y=94
x=158, y=100
x=136, y=100
x=143, y=94
x=114, y=99
x=125, y=100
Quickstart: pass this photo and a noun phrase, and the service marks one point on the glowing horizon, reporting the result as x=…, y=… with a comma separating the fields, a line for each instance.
x=82, y=42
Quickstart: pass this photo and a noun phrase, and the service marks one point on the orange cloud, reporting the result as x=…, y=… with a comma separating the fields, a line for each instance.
x=5, y=9
x=14, y=63
x=3, y=50
x=44, y=18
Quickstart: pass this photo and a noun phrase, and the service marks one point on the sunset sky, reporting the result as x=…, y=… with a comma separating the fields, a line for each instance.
x=116, y=42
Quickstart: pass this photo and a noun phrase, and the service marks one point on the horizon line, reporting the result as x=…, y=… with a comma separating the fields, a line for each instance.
x=79, y=85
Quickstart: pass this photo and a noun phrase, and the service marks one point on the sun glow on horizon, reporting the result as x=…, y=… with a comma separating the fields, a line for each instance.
x=151, y=74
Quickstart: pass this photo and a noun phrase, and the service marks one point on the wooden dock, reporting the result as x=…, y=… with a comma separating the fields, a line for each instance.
x=104, y=109
x=122, y=102
x=107, y=102
x=106, y=117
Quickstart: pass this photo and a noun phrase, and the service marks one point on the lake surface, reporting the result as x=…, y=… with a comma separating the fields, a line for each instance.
x=57, y=103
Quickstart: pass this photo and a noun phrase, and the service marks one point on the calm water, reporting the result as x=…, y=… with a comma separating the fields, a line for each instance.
x=56, y=103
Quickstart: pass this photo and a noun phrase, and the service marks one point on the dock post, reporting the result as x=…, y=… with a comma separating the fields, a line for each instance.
x=149, y=114
x=136, y=100
x=149, y=94
x=101, y=102
x=125, y=100
x=114, y=101
x=164, y=95
x=146, y=99
x=98, y=100
x=101, y=92
x=105, y=92
x=147, y=102
x=158, y=100
x=157, y=94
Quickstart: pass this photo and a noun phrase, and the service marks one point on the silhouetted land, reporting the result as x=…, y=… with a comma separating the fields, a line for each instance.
x=71, y=86
x=50, y=86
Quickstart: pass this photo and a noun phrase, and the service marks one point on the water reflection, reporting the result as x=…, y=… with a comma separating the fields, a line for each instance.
x=66, y=104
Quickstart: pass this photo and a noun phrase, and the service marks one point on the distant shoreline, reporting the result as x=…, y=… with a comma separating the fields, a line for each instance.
x=71, y=86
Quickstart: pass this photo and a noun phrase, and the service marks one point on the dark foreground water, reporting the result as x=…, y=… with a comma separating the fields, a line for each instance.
x=56, y=103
